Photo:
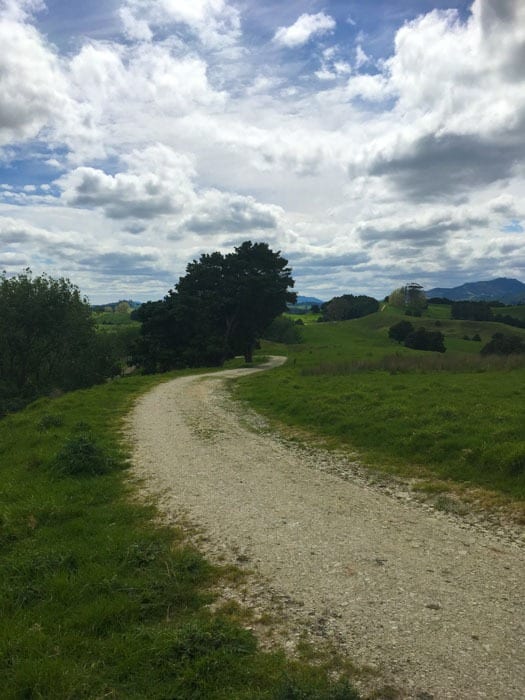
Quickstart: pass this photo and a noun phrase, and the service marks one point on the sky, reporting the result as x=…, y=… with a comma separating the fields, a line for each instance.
x=372, y=143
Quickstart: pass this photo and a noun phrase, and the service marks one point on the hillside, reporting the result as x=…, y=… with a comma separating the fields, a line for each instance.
x=508, y=291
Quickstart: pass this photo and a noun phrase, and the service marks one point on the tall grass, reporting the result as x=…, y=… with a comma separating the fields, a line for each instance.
x=430, y=362
x=97, y=600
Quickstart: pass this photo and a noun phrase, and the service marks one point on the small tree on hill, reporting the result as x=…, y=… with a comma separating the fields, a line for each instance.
x=399, y=331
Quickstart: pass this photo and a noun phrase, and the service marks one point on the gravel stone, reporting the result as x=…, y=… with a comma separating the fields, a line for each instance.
x=333, y=557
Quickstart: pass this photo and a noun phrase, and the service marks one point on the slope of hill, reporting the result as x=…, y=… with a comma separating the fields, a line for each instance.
x=504, y=289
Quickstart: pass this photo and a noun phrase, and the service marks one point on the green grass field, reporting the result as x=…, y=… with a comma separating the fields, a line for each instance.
x=97, y=600
x=452, y=416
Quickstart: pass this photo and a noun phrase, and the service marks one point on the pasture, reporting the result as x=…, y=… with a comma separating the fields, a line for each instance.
x=453, y=416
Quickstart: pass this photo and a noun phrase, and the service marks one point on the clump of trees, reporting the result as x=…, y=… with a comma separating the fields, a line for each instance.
x=48, y=340
x=410, y=297
x=501, y=344
x=471, y=311
x=348, y=306
x=420, y=339
x=218, y=309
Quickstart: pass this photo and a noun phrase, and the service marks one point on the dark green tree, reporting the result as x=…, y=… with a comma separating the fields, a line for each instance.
x=218, y=309
x=399, y=331
x=471, y=311
x=501, y=344
x=421, y=339
x=348, y=306
x=47, y=338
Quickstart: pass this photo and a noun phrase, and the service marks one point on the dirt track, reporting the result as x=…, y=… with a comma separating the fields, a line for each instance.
x=433, y=604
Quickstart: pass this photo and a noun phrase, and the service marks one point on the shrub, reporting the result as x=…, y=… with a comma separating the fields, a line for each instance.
x=50, y=420
x=81, y=455
x=283, y=330
x=501, y=344
x=425, y=340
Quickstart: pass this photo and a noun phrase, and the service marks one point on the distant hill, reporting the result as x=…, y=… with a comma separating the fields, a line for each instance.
x=308, y=300
x=113, y=305
x=508, y=291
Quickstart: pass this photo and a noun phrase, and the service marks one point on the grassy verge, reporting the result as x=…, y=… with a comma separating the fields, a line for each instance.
x=453, y=417
x=96, y=599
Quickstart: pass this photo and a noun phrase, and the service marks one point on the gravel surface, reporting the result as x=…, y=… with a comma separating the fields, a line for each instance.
x=426, y=601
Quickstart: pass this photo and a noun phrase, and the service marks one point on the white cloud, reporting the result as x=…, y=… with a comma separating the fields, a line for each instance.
x=215, y=22
x=34, y=92
x=157, y=182
x=304, y=29
x=170, y=147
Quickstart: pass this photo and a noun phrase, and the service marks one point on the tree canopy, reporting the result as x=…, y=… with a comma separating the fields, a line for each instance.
x=218, y=309
x=348, y=306
x=47, y=338
x=471, y=311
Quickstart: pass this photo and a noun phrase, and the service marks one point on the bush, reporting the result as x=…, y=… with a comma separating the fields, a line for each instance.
x=425, y=340
x=501, y=344
x=399, y=331
x=81, y=455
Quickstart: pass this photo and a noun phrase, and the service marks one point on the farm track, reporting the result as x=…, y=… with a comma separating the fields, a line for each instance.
x=429, y=603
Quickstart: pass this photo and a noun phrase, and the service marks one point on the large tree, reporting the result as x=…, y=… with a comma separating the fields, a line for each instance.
x=47, y=338
x=219, y=308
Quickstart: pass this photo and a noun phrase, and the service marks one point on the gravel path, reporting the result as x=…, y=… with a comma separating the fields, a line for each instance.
x=431, y=603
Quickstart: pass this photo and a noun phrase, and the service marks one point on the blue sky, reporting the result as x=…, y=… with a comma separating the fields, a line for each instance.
x=372, y=143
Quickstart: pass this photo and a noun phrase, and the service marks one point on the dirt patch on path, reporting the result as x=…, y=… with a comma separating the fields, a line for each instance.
x=433, y=604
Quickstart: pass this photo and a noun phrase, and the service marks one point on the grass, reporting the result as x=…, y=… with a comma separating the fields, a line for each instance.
x=454, y=417
x=96, y=598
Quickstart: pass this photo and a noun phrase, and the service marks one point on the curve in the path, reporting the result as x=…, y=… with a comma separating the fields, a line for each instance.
x=436, y=603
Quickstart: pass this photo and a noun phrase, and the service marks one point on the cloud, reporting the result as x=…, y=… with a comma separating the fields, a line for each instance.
x=216, y=23
x=219, y=212
x=360, y=168
x=304, y=29
x=133, y=263
x=34, y=93
x=157, y=182
x=454, y=106
x=434, y=166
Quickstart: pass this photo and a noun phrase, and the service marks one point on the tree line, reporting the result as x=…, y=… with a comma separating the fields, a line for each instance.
x=218, y=309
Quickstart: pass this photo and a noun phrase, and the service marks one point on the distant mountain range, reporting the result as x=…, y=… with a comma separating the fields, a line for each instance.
x=508, y=291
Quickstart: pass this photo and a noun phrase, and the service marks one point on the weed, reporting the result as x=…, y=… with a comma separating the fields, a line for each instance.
x=450, y=505
x=81, y=455
x=50, y=420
